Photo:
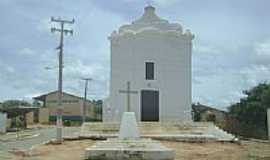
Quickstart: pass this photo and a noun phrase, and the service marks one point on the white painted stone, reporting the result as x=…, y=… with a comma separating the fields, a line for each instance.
x=129, y=127
x=129, y=145
x=268, y=122
x=151, y=39
x=219, y=133
x=140, y=149
x=182, y=131
x=3, y=122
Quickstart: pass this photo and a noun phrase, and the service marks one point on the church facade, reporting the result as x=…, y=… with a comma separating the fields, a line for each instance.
x=153, y=56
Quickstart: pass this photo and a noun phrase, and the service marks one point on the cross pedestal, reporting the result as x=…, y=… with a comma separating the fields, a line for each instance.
x=129, y=145
x=129, y=127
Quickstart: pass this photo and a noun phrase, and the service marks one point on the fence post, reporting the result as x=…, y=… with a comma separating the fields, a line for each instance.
x=268, y=123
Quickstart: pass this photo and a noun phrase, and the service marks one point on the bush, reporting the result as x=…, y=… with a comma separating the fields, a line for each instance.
x=67, y=123
x=211, y=117
x=250, y=112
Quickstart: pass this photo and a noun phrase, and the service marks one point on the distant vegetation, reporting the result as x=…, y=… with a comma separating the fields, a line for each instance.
x=18, y=119
x=251, y=111
x=14, y=103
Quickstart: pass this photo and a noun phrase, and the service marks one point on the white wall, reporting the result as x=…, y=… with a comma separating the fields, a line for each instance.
x=170, y=50
x=3, y=122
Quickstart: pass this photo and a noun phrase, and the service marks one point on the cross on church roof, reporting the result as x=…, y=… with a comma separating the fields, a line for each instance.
x=128, y=92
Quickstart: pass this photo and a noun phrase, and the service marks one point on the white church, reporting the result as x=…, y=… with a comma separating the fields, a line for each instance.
x=150, y=70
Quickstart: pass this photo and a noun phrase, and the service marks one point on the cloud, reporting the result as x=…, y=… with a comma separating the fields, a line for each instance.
x=78, y=70
x=227, y=58
x=225, y=86
x=44, y=25
x=263, y=48
x=10, y=69
x=22, y=67
x=207, y=49
x=221, y=74
x=255, y=74
x=26, y=52
x=165, y=3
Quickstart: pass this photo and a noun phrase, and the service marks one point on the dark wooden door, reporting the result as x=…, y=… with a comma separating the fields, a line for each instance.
x=149, y=105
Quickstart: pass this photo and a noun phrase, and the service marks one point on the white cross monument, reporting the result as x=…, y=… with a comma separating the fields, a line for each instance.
x=128, y=92
x=128, y=127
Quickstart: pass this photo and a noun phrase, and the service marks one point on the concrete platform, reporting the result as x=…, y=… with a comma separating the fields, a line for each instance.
x=177, y=131
x=136, y=149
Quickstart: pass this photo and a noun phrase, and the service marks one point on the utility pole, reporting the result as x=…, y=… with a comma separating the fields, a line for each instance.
x=85, y=97
x=63, y=32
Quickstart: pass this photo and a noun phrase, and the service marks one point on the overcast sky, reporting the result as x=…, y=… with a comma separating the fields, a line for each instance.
x=231, y=48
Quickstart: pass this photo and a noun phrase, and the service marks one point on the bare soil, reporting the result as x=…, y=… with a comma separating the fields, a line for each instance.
x=74, y=150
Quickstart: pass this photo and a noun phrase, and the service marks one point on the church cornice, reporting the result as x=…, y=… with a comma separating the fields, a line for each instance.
x=151, y=24
x=187, y=35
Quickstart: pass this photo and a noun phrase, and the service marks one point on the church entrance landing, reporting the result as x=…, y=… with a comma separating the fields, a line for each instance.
x=149, y=105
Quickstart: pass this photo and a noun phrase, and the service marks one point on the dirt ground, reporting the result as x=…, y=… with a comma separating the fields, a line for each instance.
x=74, y=150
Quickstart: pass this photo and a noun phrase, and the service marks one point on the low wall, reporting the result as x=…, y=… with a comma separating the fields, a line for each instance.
x=30, y=118
x=3, y=121
x=43, y=116
x=8, y=124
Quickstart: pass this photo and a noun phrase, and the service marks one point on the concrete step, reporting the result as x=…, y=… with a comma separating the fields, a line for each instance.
x=190, y=131
x=145, y=126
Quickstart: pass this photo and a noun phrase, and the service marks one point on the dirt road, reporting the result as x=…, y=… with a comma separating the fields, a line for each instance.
x=74, y=150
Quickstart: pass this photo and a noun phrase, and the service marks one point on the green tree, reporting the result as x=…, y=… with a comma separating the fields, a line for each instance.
x=251, y=111
x=14, y=103
x=36, y=103
x=13, y=113
x=9, y=104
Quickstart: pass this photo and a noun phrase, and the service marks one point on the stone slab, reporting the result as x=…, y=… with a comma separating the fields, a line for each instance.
x=169, y=137
x=148, y=127
x=140, y=149
x=180, y=131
